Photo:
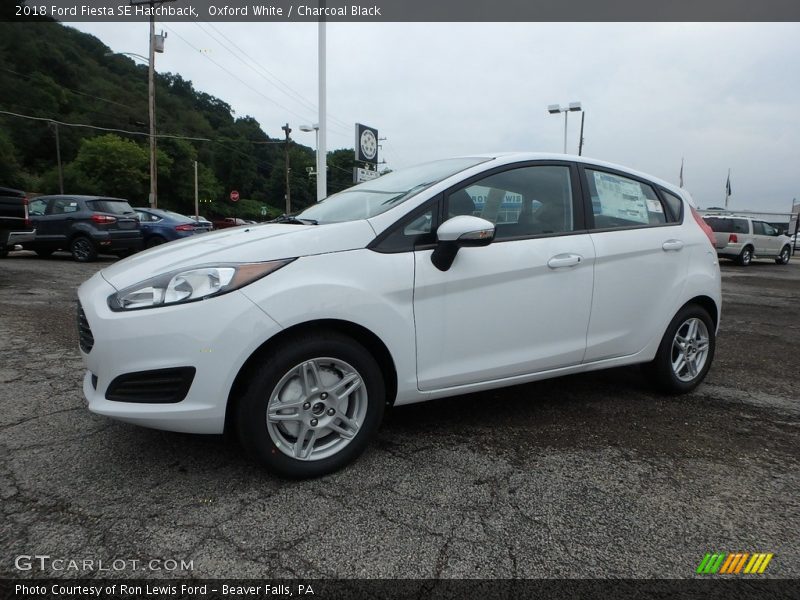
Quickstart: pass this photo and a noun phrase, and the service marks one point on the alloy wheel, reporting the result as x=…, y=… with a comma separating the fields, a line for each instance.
x=316, y=409
x=690, y=349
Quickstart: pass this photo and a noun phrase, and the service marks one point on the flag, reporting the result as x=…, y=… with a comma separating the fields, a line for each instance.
x=728, y=188
x=681, y=175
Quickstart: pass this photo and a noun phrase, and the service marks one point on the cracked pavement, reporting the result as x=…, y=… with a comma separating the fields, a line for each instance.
x=583, y=476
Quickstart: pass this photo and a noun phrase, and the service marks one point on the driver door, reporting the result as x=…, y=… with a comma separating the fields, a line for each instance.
x=519, y=305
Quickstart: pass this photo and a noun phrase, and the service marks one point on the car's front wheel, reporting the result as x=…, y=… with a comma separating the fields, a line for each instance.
x=686, y=351
x=83, y=249
x=312, y=405
x=783, y=257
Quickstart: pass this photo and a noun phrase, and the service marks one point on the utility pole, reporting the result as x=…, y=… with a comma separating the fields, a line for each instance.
x=151, y=94
x=580, y=143
x=287, y=130
x=58, y=158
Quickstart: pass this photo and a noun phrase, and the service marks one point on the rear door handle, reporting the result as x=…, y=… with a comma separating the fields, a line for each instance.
x=672, y=245
x=560, y=261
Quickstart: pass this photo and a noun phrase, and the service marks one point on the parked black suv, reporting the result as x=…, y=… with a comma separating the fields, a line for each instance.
x=84, y=225
x=15, y=225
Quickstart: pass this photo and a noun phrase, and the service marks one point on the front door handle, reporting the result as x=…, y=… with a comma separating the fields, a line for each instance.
x=560, y=261
x=672, y=245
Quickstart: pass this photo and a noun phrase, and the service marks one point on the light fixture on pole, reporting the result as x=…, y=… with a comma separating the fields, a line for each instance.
x=315, y=129
x=555, y=109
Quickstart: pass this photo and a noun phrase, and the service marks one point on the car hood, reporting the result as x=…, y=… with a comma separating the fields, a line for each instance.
x=248, y=243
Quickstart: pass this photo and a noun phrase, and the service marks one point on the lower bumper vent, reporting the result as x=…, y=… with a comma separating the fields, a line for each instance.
x=160, y=386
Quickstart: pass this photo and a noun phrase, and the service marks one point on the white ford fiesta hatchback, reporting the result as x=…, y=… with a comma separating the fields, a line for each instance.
x=437, y=280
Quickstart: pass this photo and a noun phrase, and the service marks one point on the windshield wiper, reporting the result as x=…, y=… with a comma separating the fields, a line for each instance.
x=291, y=219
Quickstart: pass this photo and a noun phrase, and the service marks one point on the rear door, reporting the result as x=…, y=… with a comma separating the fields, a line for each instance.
x=640, y=265
x=518, y=306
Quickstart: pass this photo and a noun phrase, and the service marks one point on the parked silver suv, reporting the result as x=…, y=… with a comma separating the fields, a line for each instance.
x=742, y=239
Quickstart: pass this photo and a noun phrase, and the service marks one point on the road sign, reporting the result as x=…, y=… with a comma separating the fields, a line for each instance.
x=234, y=196
x=360, y=175
x=263, y=211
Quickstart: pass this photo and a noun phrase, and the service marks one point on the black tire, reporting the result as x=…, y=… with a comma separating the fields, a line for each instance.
x=783, y=257
x=661, y=370
x=44, y=252
x=83, y=249
x=746, y=256
x=154, y=241
x=270, y=375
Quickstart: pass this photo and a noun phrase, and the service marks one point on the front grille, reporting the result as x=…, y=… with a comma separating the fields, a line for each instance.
x=85, y=337
x=160, y=386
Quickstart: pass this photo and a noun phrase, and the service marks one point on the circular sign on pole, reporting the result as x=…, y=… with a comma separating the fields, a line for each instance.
x=234, y=196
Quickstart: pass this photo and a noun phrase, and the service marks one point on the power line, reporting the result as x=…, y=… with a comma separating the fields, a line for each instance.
x=297, y=94
x=68, y=89
x=239, y=79
x=138, y=133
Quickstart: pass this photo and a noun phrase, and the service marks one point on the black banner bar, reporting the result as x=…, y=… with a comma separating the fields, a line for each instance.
x=405, y=10
x=716, y=588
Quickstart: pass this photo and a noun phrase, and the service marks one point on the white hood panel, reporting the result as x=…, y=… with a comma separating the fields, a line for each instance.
x=250, y=243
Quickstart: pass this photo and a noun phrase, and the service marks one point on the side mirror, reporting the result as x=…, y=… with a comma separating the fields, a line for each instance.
x=460, y=231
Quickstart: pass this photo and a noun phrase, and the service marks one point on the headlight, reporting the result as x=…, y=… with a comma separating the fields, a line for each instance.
x=191, y=284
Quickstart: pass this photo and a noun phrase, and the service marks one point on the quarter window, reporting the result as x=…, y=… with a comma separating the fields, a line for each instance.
x=621, y=202
x=520, y=202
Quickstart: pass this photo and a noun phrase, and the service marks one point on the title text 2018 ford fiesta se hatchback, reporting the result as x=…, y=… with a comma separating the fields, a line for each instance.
x=437, y=280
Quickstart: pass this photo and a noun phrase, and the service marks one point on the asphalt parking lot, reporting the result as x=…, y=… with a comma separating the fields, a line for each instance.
x=584, y=476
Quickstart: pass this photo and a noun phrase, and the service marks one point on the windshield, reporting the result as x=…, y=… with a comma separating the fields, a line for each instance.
x=379, y=195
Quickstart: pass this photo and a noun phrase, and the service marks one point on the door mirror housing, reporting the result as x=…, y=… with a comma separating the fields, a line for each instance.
x=460, y=231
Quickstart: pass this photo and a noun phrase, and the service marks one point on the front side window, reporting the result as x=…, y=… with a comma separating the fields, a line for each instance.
x=379, y=195
x=621, y=202
x=37, y=207
x=521, y=202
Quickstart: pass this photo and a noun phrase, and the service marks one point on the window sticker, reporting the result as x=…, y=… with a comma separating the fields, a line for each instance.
x=654, y=206
x=620, y=198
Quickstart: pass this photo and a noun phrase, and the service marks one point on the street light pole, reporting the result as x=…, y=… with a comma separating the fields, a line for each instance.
x=322, y=153
x=555, y=109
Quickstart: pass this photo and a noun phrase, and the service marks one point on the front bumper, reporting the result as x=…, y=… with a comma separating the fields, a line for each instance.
x=214, y=336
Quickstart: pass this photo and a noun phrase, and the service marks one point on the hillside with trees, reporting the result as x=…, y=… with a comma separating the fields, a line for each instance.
x=56, y=73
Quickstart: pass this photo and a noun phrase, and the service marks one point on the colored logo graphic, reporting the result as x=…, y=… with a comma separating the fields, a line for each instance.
x=733, y=563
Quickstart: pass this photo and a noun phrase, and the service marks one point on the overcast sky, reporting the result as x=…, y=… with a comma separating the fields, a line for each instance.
x=722, y=96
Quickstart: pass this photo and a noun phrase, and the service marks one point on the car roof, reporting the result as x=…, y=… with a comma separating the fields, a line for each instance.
x=512, y=157
x=81, y=197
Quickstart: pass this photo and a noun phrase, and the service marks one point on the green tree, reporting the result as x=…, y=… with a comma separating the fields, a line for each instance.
x=112, y=166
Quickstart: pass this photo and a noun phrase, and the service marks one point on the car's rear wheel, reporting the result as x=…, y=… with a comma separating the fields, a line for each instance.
x=154, y=241
x=746, y=256
x=686, y=351
x=783, y=257
x=83, y=249
x=312, y=405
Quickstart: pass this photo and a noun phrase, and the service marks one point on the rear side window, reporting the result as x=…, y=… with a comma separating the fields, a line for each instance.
x=621, y=202
x=62, y=206
x=727, y=225
x=116, y=207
